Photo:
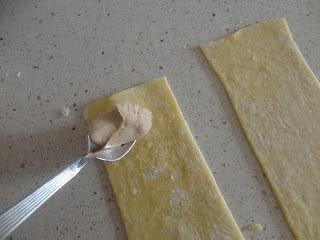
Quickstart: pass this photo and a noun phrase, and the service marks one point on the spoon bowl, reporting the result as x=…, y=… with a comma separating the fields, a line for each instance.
x=109, y=154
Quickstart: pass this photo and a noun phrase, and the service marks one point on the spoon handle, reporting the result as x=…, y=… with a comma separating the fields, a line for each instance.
x=14, y=216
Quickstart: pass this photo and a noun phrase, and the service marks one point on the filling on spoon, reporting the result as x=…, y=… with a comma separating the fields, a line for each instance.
x=122, y=123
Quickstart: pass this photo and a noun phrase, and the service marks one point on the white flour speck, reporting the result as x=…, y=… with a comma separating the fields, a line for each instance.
x=179, y=200
x=65, y=112
x=173, y=176
x=154, y=172
x=19, y=74
x=134, y=191
x=262, y=139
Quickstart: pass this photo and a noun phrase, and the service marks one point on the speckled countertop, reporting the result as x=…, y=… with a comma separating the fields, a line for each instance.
x=57, y=53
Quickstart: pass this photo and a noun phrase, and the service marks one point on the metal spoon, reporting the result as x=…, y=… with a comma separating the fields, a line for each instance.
x=17, y=214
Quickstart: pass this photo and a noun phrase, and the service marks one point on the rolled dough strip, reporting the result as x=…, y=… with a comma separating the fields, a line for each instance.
x=277, y=99
x=164, y=187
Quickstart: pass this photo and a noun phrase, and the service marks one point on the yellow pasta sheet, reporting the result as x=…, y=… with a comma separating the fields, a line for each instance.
x=277, y=99
x=164, y=187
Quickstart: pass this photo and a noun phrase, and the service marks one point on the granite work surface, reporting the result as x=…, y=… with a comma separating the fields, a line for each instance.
x=56, y=54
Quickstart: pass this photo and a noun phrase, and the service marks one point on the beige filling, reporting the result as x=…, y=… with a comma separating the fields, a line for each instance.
x=122, y=123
